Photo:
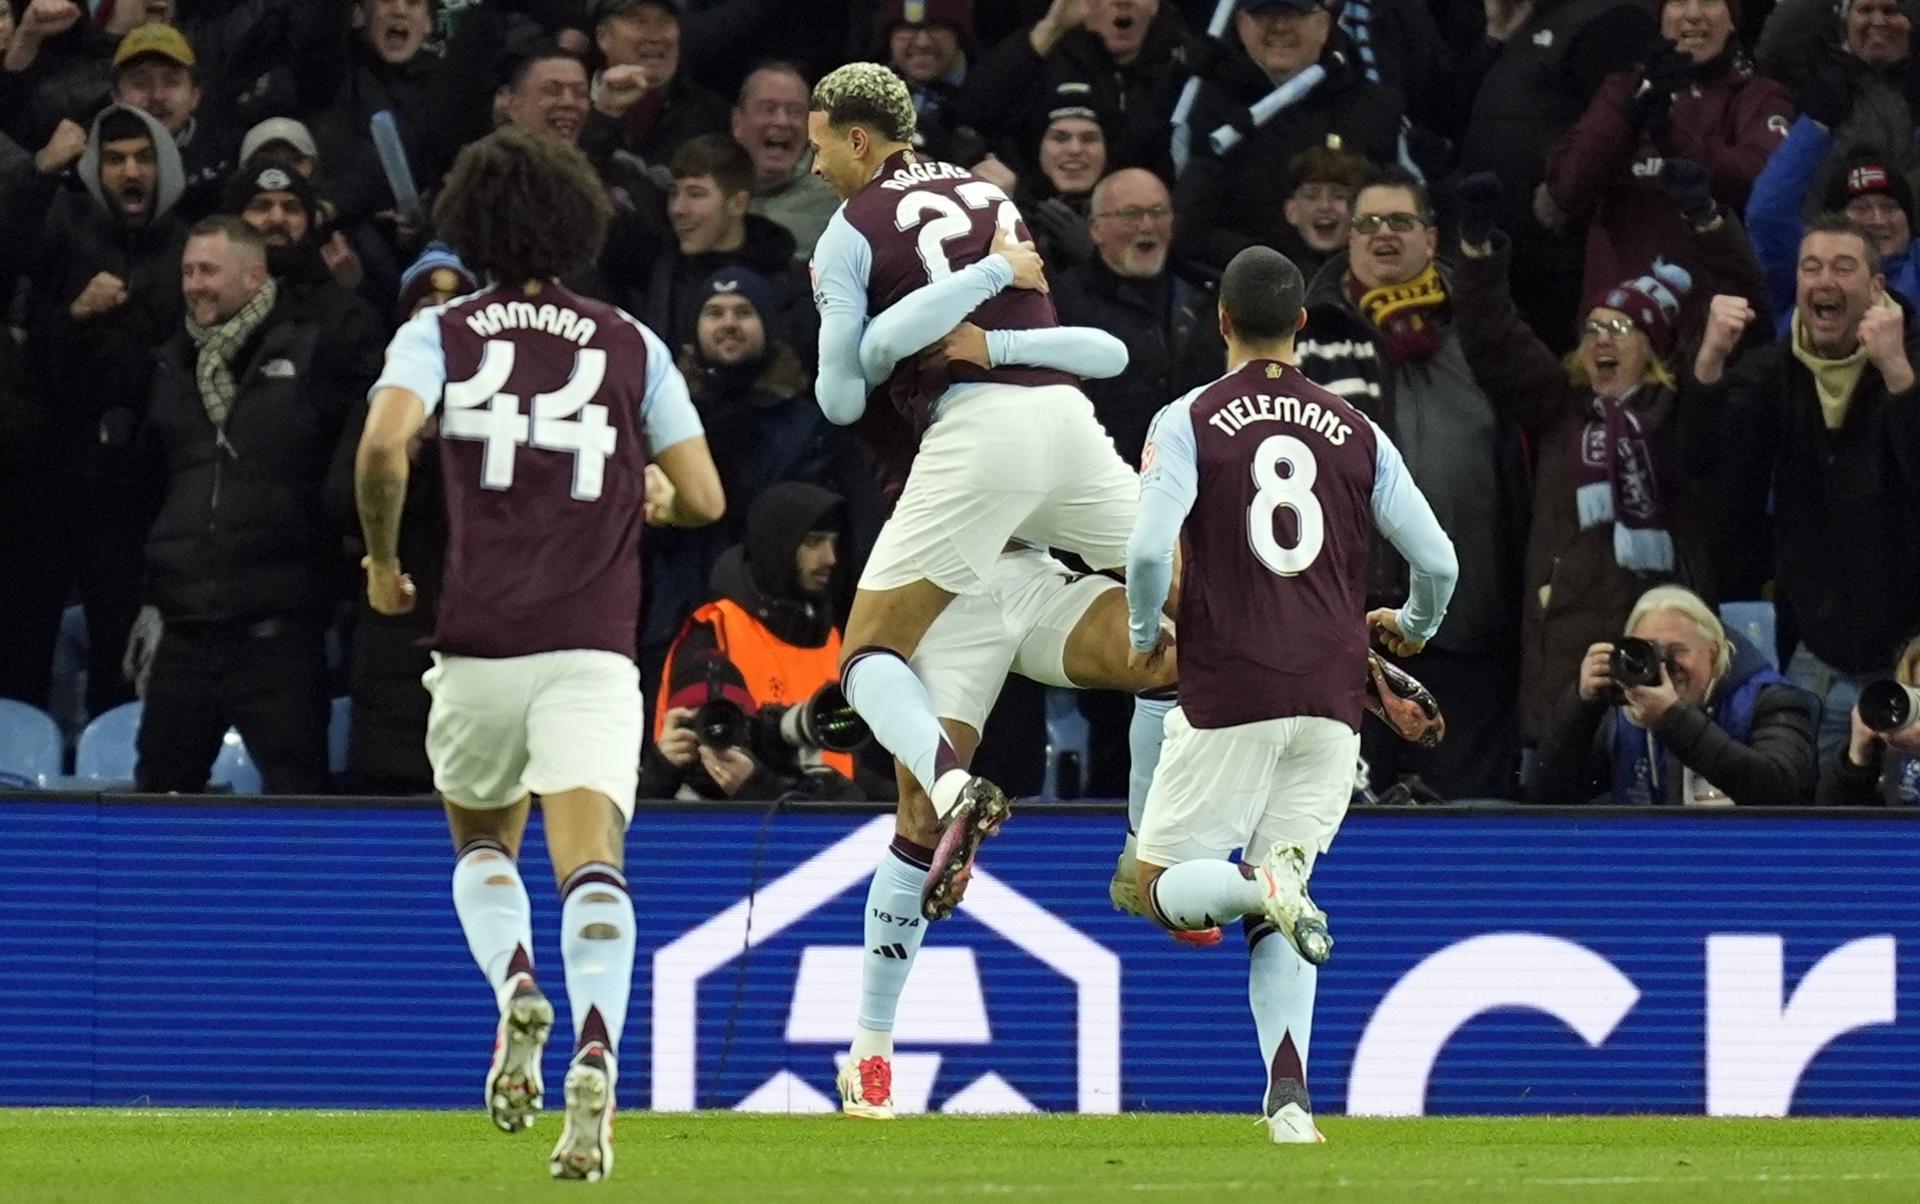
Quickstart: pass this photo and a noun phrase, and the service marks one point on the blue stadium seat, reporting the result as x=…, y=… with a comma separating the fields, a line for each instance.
x=31, y=746
x=105, y=752
x=1754, y=620
x=234, y=769
x=1066, y=734
x=338, y=726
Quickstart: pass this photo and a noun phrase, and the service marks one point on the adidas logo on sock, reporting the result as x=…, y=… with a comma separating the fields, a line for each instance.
x=894, y=952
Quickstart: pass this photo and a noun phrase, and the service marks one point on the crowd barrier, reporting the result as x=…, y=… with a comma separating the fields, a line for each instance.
x=304, y=953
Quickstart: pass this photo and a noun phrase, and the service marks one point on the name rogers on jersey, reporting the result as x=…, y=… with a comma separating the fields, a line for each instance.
x=922, y=173
x=1242, y=412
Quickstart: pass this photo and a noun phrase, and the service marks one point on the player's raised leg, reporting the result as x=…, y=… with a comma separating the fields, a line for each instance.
x=585, y=835
x=491, y=901
x=883, y=631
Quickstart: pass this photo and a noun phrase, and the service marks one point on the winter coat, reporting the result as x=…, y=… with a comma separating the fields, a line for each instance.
x=1775, y=226
x=1772, y=766
x=1606, y=169
x=1885, y=781
x=1574, y=593
x=1539, y=82
x=95, y=373
x=1845, y=503
x=672, y=303
x=1164, y=322
x=1467, y=456
x=1229, y=202
x=242, y=532
x=653, y=130
x=1008, y=92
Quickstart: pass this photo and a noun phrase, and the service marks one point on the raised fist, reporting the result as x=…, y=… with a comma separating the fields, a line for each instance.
x=48, y=18
x=620, y=88
x=63, y=150
x=1727, y=319
x=104, y=292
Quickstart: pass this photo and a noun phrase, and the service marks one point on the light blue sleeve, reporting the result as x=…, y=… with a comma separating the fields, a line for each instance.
x=1402, y=514
x=1086, y=351
x=841, y=262
x=415, y=360
x=667, y=413
x=924, y=316
x=1168, y=488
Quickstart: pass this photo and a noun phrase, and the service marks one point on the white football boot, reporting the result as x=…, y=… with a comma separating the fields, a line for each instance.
x=866, y=1087
x=513, y=1086
x=585, y=1148
x=1284, y=875
x=1291, y=1124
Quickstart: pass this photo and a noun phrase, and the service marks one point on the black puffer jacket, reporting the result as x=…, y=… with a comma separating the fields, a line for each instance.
x=1008, y=92
x=241, y=532
x=1229, y=202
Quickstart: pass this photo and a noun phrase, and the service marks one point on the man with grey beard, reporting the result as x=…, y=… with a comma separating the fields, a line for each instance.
x=1129, y=291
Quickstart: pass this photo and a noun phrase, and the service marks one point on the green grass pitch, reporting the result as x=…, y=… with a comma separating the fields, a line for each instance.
x=214, y=1157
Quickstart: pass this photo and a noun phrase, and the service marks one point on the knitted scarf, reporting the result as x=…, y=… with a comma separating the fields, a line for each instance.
x=1833, y=380
x=1410, y=316
x=1613, y=482
x=218, y=345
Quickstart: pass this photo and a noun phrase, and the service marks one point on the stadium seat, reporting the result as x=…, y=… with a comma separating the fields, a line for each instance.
x=105, y=752
x=107, y=755
x=234, y=769
x=339, y=724
x=1066, y=737
x=1755, y=621
x=31, y=746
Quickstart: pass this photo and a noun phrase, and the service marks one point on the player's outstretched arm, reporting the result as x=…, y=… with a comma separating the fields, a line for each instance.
x=1168, y=488
x=923, y=317
x=1085, y=351
x=1403, y=515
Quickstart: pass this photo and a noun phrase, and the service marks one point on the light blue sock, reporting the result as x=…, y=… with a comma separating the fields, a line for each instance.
x=494, y=912
x=597, y=937
x=1144, y=735
x=898, y=710
x=894, y=930
x=1280, y=987
x=1204, y=894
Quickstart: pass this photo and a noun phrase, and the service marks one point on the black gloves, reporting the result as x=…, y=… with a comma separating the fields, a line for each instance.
x=1477, y=195
x=1667, y=71
x=1691, y=188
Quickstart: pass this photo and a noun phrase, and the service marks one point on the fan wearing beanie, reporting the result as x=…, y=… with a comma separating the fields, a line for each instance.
x=1612, y=512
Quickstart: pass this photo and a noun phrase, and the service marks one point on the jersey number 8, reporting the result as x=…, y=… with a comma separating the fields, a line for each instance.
x=1294, y=492
x=950, y=221
x=562, y=420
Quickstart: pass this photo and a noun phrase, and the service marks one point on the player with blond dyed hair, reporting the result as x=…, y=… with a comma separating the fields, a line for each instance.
x=1010, y=461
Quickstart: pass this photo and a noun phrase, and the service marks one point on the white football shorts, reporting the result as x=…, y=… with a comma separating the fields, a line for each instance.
x=1247, y=786
x=1006, y=462
x=500, y=728
x=1018, y=624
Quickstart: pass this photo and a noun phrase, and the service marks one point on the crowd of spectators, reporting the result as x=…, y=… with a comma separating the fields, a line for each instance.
x=1632, y=284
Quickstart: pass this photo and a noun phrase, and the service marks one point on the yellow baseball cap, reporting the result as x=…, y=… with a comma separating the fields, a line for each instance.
x=163, y=40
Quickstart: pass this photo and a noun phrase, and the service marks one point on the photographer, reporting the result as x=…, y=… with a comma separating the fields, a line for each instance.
x=767, y=642
x=1682, y=712
x=1882, y=763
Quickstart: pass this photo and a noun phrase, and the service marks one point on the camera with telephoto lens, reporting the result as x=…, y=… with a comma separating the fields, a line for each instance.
x=1888, y=706
x=1636, y=662
x=824, y=722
